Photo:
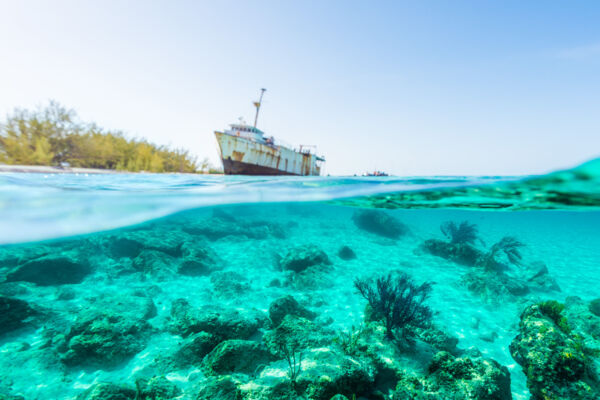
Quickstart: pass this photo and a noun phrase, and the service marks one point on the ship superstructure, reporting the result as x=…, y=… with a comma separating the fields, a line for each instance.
x=246, y=150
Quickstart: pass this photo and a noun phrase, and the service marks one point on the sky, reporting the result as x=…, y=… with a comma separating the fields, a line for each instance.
x=410, y=88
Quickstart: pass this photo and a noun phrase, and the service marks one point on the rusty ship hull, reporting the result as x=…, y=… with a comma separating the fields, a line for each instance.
x=243, y=156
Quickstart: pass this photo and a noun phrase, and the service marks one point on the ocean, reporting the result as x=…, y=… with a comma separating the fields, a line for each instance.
x=144, y=286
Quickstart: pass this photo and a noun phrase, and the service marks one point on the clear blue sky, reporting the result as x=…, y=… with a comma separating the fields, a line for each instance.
x=412, y=88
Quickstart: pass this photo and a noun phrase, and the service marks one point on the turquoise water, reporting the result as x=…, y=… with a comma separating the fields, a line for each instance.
x=177, y=287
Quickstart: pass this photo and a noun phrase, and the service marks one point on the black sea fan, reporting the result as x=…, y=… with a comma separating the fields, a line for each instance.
x=396, y=300
x=465, y=233
x=509, y=245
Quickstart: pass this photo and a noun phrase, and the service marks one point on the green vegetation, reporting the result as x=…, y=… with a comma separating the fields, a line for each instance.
x=54, y=136
x=553, y=310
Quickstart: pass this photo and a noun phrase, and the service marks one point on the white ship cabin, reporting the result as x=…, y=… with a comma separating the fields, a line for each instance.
x=247, y=132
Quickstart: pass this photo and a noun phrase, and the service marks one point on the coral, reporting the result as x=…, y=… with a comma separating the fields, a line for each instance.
x=222, y=322
x=460, y=253
x=300, y=258
x=229, y=284
x=469, y=378
x=302, y=332
x=494, y=287
x=465, y=233
x=397, y=300
x=233, y=356
x=110, y=331
x=104, y=340
x=556, y=360
x=198, y=260
x=223, y=225
x=380, y=223
x=153, y=262
x=349, y=341
x=509, y=246
x=194, y=349
x=156, y=388
x=287, y=305
x=219, y=387
x=108, y=391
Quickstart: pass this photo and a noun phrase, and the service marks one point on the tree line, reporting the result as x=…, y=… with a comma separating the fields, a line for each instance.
x=53, y=135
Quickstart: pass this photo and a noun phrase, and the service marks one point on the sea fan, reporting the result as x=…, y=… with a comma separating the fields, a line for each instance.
x=465, y=233
x=397, y=300
x=509, y=245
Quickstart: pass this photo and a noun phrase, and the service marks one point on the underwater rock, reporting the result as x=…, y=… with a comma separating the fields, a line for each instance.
x=51, y=270
x=595, y=307
x=433, y=336
x=346, y=253
x=300, y=332
x=556, y=360
x=130, y=305
x=494, y=286
x=104, y=340
x=108, y=391
x=221, y=226
x=287, y=305
x=221, y=322
x=110, y=334
x=125, y=246
x=540, y=278
x=14, y=314
x=4, y=396
x=235, y=356
x=326, y=373
x=198, y=260
x=322, y=374
x=380, y=223
x=459, y=253
x=229, y=283
x=463, y=378
x=153, y=261
x=300, y=258
x=219, y=387
x=156, y=388
x=194, y=349
x=583, y=321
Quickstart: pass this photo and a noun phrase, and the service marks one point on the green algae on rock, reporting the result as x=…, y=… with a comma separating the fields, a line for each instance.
x=558, y=360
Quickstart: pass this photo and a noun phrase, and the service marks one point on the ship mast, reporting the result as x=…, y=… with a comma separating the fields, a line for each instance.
x=257, y=105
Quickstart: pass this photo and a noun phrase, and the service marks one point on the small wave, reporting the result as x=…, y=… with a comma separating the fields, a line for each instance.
x=45, y=206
